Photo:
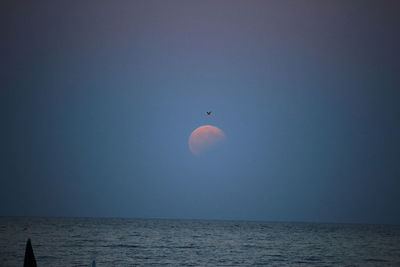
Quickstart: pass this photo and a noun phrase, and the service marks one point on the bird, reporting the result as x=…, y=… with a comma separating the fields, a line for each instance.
x=208, y=112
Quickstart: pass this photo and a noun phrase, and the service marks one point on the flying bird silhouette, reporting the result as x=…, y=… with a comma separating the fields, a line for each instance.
x=208, y=112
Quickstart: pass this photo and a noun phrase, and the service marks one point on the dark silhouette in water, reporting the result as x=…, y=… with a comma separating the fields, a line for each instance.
x=29, y=260
x=208, y=112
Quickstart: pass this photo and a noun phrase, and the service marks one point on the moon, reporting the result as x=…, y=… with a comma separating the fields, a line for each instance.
x=204, y=138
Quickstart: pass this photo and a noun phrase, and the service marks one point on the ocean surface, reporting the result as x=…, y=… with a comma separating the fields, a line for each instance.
x=132, y=242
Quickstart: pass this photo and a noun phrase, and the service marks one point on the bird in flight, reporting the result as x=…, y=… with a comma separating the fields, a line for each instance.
x=208, y=112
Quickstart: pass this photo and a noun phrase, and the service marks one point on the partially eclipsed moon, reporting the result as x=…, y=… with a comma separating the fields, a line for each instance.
x=204, y=138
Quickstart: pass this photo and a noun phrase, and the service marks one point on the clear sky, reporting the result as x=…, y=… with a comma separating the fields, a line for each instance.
x=98, y=99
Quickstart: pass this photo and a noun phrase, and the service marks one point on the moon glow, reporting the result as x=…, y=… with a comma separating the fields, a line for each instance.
x=204, y=138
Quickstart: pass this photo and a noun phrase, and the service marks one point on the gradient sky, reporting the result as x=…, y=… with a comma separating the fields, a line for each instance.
x=98, y=100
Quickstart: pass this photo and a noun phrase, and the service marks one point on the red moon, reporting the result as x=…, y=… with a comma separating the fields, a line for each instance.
x=205, y=137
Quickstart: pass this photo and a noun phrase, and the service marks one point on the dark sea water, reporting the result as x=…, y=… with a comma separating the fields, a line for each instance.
x=128, y=242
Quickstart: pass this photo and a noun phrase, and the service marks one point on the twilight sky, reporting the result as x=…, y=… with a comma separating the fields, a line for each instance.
x=98, y=100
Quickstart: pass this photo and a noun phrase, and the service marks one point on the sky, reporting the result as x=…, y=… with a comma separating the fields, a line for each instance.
x=98, y=100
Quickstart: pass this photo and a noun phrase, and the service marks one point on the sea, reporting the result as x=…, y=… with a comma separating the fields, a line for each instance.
x=159, y=242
